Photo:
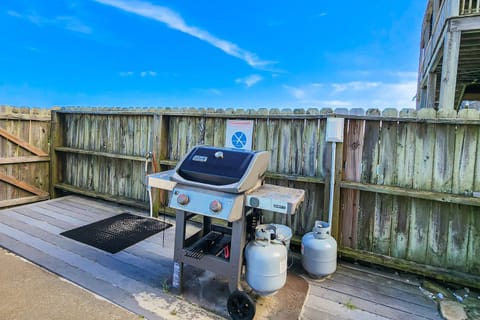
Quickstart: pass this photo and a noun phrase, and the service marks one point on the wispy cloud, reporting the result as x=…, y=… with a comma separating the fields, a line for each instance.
x=322, y=14
x=126, y=73
x=15, y=14
x=70, y=23
x=335, y=103
x=36, y=50
x=406, y=75
x=298, y=93
x=354, y=85
x=209, y=92
x=250, y=80
x=175, y=21
x=363, y=94
x=144, y=74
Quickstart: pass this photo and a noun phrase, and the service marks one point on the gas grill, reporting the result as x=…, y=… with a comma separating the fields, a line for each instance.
x=225, y=184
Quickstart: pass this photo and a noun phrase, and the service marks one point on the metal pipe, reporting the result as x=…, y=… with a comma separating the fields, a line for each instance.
x=332, y=184
x=149, y=189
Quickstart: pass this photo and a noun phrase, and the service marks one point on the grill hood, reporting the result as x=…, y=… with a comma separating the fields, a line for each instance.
x=222, y=169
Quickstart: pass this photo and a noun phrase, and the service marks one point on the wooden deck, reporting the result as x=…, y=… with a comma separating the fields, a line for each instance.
x=135, y=278
x=356, y=292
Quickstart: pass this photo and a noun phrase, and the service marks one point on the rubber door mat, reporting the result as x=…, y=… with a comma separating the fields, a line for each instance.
x=116, y=233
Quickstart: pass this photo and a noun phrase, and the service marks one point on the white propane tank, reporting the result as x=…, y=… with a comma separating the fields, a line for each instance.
x=319, y=251
x=266, y=261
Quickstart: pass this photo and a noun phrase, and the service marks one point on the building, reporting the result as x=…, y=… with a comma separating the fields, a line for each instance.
x=449, y=68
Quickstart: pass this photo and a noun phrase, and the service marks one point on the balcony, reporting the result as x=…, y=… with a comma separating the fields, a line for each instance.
x=435, y=21
x=443, y=18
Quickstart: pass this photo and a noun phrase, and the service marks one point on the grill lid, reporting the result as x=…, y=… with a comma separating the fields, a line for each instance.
x=223, y=169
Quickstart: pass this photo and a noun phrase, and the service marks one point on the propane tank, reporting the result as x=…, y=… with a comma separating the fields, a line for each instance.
x=266, y=261
x=319, y=251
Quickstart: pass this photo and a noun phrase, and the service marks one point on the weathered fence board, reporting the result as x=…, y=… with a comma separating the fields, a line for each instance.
x=368, y=208
x=442, y=182
x=353, y=149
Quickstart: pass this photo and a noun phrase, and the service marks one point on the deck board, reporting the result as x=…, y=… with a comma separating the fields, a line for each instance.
x=58, y=215
x=39, y=217
x=134, y=278
x=138, y=272
x=402, y=288
x=321, y=308
x=405, y=301
x=355, y=298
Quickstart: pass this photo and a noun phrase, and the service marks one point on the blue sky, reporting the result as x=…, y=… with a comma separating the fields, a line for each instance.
x=209, y=53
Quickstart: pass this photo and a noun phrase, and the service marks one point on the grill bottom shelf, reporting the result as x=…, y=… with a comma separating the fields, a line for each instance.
x=213, y=243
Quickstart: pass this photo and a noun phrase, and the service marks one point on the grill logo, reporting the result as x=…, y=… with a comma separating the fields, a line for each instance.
x=279, y=206
x=200, y=158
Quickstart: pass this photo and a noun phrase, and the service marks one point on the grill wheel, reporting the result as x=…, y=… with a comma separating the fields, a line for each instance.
x=240, y=306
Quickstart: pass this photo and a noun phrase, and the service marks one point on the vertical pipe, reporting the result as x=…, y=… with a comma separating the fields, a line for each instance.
x=149, y=189
x=332, y=185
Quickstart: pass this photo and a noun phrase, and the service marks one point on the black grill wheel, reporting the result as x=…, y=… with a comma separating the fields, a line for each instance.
x=240, y=306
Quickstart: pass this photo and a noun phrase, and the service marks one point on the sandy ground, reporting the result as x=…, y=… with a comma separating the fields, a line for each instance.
x=30, y=292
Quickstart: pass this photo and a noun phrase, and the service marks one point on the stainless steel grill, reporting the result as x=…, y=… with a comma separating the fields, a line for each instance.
x=225, y=184
x=211, y=182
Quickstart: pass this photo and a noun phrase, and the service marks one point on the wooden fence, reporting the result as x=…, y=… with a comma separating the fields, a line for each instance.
x=24, y=174
x=406, y=183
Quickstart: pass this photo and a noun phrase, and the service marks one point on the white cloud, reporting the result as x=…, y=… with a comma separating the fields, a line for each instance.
x=65, y=22
x=354, y=85
x=356, y=94
x=296, y=92
x=72, y=24
x=209, y=92
x=126, y=73
x=176, y=22
x=250, y=80
x=396, y=95
x=36, y=50
x=322, y=14
x=144, y=74
x=335, y=103
x=406, y=75
x=14, y=14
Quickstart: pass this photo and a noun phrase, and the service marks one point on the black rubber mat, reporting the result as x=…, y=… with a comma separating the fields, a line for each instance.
x=116, y=233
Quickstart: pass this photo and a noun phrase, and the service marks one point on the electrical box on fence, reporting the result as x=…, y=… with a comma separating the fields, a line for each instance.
x=334, y=129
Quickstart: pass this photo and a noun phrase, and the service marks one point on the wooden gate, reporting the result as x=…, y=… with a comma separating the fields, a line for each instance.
x=24, y=159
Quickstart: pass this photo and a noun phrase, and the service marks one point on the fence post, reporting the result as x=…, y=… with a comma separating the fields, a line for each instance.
x=56, y=140
x=160, y=151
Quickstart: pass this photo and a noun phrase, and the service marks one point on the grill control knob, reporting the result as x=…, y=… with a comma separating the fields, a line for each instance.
x=183, y=199
x=215, y=206
x=254, y=202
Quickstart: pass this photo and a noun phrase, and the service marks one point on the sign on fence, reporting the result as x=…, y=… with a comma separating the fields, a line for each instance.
x=239, y=134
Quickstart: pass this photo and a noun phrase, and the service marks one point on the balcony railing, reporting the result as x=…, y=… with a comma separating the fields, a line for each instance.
x=439, y=20
x=469, y=7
